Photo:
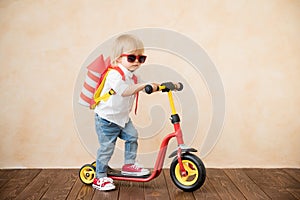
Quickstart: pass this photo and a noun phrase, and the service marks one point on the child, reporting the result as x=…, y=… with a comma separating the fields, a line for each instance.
x=112, y=116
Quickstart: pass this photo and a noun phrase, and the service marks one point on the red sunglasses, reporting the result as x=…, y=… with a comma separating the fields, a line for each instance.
x=131, y=58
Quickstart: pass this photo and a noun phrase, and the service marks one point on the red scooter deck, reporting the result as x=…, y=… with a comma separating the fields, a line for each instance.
x=118, y=173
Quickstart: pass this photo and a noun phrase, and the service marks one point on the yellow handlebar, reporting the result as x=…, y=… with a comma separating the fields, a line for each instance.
x=171, y=101
x=162, y=87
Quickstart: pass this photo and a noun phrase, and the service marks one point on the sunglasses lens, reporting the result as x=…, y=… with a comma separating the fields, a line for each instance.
x=131, y=58
x=142, y=59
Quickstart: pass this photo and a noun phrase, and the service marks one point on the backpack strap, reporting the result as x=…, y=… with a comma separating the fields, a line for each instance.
x=105, y=97
x=120, y=71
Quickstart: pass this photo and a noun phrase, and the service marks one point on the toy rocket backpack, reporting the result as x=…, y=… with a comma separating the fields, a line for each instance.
x=95, y=80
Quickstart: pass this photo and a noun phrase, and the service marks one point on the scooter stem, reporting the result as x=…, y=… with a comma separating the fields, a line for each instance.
x=171, y=100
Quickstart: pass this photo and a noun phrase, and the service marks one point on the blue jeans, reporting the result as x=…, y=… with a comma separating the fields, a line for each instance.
x=108, y=133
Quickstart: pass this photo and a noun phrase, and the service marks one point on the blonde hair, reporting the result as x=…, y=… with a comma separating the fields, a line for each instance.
x=125, y=44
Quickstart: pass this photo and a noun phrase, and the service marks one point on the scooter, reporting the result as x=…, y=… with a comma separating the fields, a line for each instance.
x=187, y=171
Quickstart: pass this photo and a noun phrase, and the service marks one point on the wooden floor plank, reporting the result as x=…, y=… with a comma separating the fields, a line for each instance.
x=286, y=181
x=8, y=173
x=86, y=192
x=39, y=185
x=2, y=183
x=174, y=192
x=131, y=190
x=75, y=190
x=18, y=181
x=81, y=191
x=267, y=180
x=295, y=192
x=295, y=173
x=219, y=184
x=249, y=189
x=224, y=186
x=60, y=188
x=283, y=178
x=156, y=189
x=207, y=191
x=110, y=195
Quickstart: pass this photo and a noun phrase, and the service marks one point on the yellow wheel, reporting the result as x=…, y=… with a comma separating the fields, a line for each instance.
x=195, y=173
x=192, y=173
x=94, y=164
x=87, y=174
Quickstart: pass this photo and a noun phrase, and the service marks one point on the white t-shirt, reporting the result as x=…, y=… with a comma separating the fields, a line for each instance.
x=117, y=108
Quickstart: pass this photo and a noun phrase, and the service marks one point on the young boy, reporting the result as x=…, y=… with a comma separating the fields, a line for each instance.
x=112, y=116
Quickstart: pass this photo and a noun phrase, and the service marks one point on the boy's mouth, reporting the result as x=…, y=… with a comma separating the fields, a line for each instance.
x=133, y=68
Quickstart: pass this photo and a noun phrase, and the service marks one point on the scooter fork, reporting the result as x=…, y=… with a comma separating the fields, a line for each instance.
x=183, y=172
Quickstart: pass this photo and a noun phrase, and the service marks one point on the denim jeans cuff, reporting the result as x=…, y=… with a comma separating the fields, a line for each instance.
x=129, y=162
x=101, y=175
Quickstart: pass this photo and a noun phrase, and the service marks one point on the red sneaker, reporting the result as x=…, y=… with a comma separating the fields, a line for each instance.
x=134, y=170
x=103, y=184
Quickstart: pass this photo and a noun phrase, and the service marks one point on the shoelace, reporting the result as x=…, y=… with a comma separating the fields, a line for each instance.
x=136, y=166
x=106, y=179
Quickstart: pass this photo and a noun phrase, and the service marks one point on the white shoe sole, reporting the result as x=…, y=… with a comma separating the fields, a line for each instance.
x=135, y=173
x=106, y=188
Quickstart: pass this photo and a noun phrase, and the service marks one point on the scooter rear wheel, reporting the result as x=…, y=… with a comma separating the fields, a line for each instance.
x=195, y=169
x=87, y=174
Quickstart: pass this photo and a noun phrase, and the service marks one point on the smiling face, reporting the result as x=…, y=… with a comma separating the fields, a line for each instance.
x=131, y=66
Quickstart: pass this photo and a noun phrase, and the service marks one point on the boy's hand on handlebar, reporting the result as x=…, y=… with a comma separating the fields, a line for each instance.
x=164, y=87
x=155, y=87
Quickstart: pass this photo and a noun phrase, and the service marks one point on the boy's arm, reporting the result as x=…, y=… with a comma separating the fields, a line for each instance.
x=133, y=89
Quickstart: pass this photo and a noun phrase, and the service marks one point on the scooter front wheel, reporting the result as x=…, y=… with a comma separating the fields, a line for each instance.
x=87, y=174
x=195, y=173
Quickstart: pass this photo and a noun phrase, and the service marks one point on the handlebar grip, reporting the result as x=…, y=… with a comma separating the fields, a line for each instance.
x=148, y=89
x=172, y=86
x=180, y=86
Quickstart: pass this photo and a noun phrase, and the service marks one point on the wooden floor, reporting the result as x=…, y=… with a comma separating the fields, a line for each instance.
x=220, y=184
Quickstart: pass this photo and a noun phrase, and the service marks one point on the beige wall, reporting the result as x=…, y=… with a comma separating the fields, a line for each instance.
x=254, y=44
